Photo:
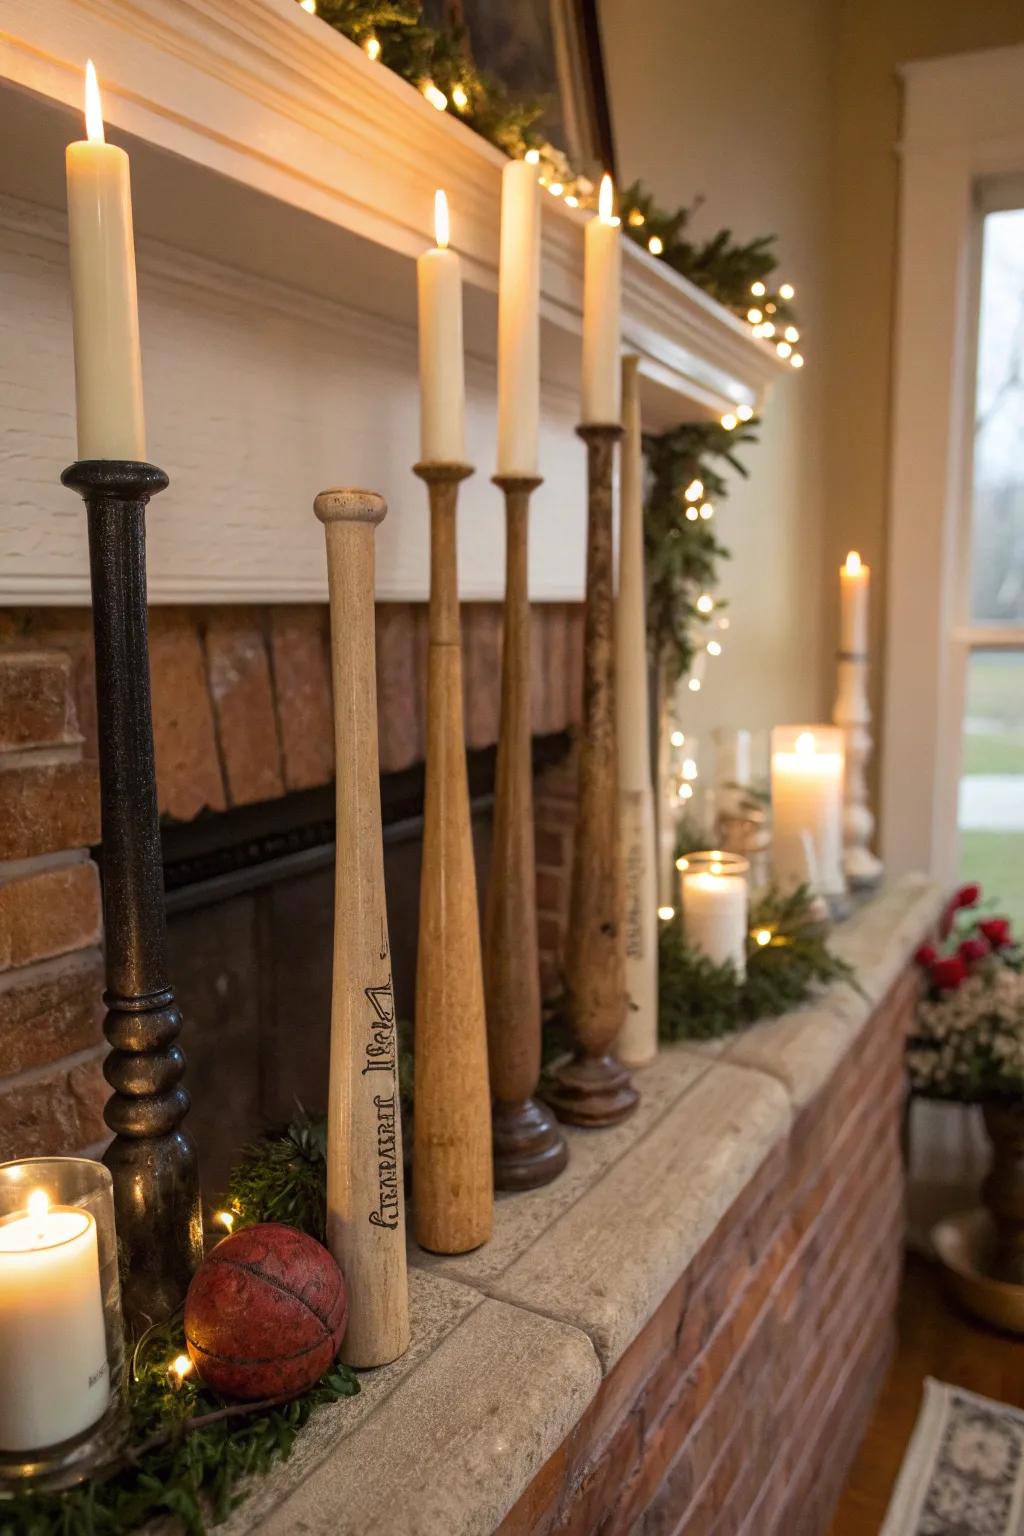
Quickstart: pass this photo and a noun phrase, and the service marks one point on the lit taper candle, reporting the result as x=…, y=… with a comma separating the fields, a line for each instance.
x=854, y=586
x=519, y=320
x=108, y=363
x=442, y=378
x=602, y=281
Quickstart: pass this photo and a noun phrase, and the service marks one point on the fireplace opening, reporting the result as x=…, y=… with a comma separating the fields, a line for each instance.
x=250, y=907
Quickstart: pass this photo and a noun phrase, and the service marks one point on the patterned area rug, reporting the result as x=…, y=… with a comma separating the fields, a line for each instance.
x=963, y=1474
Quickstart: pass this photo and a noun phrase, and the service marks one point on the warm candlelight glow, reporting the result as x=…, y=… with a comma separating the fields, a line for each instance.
x=93, y=107
x=606, y=200
x=181, y=1366
x=853, y=563
x=441, y=227
x=804, y=744
x=226, y=1219
x=38, y=1206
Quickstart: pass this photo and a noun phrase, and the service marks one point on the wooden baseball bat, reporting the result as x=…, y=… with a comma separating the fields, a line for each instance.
x=365, y=1199
x=452, y=1179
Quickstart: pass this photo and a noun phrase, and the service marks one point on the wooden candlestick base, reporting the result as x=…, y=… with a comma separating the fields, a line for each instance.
x=592, y=1088
x=453, y=1189
x=528, y=1146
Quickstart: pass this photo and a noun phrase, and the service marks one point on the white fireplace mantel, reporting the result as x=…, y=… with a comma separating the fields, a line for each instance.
x=283, y=185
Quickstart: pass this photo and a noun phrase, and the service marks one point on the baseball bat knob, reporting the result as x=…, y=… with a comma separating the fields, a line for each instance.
x=348, y=505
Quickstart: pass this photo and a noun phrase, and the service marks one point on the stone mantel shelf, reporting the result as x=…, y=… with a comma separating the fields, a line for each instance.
x=511, y=1343
x=283, y=185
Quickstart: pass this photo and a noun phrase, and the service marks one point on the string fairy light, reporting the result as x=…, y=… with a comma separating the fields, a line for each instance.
x=744, y=412
x=787, y=292
x=694, y=491
x=758, y=290
x=707, y=511
x=309, y=6
x=655, y=245
x=460, y=97
x=729, y=421
x=705, y=603
x=180, y=1367
x=796, y=361
x=437, y=98
x=714, y=648
x=666, y=914
x=371, y=47
x=763, y=936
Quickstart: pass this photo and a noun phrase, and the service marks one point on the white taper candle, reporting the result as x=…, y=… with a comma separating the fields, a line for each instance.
x=442, y=375
x=602, y=281
x=519, y=320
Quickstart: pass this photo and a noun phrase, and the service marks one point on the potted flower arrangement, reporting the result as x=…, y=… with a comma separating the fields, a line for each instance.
x=967, y=1046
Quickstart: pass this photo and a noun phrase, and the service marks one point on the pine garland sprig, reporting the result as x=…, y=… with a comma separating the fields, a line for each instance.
x=283, y=1177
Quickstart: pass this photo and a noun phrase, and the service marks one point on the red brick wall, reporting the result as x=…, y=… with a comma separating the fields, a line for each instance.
x=242, y=713
x=739, y=1407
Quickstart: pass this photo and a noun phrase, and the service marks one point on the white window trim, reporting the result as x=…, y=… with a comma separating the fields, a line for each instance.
x=963, y=128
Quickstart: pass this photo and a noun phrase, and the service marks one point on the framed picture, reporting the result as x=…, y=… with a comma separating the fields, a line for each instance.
x=549, y=51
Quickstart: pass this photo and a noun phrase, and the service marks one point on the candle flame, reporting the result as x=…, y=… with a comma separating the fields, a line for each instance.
x=93, y=106
x=853, y=563
x=441, y=226
x=805, y=744
x=606, y=201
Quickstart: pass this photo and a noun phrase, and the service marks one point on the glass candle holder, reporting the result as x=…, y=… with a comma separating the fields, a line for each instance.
x=61, y=1335
x=714, y=901
x=807, y=808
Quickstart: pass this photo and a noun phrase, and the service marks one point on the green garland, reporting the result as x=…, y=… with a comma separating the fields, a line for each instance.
x=698, y=1000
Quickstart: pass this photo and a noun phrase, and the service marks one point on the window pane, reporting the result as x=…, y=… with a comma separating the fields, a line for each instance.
x=992, y=786
x=997, y=539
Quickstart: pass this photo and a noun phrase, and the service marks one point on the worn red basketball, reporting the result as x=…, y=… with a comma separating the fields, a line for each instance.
x=265, y=1313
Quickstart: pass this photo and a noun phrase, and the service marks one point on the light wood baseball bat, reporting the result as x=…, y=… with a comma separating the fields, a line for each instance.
x=452, y=1179
x=365, y=1199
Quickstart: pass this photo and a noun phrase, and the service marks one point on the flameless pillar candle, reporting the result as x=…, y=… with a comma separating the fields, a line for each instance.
x=442, y=379
x=714, y=896
x=807, y=797
x=108, y=364
x=854, y=585
x=519, y=320
x=602, y=271
x=54, y=1379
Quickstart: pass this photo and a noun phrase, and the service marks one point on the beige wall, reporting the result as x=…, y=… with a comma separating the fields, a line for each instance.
x=788, y=122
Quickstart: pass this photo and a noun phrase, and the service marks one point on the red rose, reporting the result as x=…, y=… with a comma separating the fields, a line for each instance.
x=949, y=973
x=997, y=931
x=968, y=896
x=973, y=950
x=926, y=955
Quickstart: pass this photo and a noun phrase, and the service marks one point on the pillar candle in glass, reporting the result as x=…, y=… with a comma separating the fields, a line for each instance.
x=854, y=586
x=602, y=281
x=60, y=1317
x=714, y=901
x=807, y=797
x=519, y=320
x=108, y=363
x=442, y=375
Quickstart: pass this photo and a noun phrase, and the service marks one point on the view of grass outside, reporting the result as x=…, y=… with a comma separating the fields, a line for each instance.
x=992, y=787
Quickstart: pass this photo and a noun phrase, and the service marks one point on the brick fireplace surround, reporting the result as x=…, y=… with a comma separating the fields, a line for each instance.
x=683, y=1334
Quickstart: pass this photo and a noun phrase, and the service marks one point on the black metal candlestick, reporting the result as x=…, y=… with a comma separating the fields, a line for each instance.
x=153, y=1162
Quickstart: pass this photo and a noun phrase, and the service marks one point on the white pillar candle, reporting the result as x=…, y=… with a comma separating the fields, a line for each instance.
x=54, y=1378
x=519, y=320
x=108, y=363
x=442, y=379
x=602, y=274
x=732, y=757
x=854, y=586
x=714, y=898
x=807, y=798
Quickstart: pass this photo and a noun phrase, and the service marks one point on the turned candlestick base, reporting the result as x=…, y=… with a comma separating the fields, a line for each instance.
x=528, y=1146
x=592, y=1088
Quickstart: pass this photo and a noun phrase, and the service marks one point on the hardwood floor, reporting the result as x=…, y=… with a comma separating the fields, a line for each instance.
x=934, y=1340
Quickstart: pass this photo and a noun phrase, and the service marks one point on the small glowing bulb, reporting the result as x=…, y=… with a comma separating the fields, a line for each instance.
x=744, y=412
x=655, y=245
x=532, y=157
x=758, y=290
x=436, y=98
x=666, y=914
x=783, y=348
x=442, y=230
x=694, y=685
x=805, y=744
x=707, y=510
x=686, y=791
x=692, y=514
x=226, y=1219
x=93, y=106
x=729, y=421
x=636, y=218
x=694, y=491
x=755, y=316
x=787, y=291
x=769, y=309
x=791, y=333
x=682, y=863
x=763, y=936
x=181, y=1366
x=606, y=201
x=556, y=189
x=796, y=361
x=460, y=98
x=571, y=200
x=714, y=648
x=371, y=47
x=705, y=603
x=677, y=738
x=309, y=6
x=723, y=623
x=768, y=329
x=689, y=769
